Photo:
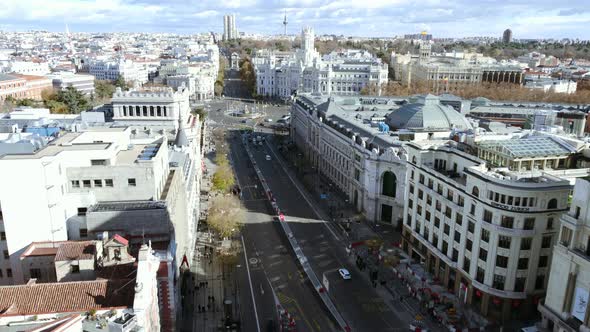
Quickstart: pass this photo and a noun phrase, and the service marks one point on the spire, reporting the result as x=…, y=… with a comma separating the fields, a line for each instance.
x=181, y=139
x=285, y=22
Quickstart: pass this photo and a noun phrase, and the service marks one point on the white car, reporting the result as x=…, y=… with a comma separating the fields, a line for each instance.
x=268, y=120
x=268, y=157
x=344, y=274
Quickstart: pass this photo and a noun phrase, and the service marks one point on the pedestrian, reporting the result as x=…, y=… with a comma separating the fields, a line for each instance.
x=213, y=298
x=401, y=298
x=208, y=306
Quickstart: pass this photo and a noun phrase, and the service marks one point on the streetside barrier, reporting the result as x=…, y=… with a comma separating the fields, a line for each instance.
x=297, y=249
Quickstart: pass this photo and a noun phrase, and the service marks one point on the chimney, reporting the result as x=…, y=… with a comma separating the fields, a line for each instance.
x=105, y=236
x=32, y=282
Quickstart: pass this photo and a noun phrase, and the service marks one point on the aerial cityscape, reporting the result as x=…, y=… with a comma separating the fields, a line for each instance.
x=304, y=166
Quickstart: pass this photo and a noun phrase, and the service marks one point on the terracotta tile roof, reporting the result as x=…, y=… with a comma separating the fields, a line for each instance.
x=63, y=297
x=75, y=251
x=43, y=252
x=120, y=239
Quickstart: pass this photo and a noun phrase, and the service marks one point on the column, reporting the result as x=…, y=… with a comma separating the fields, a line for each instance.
x=569, y=294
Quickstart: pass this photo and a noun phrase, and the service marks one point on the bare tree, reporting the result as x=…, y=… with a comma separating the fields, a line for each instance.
x=226, y=215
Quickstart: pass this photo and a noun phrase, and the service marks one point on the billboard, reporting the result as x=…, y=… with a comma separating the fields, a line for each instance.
x=580, y=303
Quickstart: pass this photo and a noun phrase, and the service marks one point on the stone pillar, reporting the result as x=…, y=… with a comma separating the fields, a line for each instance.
x=569, y=292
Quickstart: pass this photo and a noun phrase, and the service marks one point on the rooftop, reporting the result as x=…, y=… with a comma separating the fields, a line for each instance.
x=529, y=147
x=126, y=206
x=74, y=250
x=65, y=297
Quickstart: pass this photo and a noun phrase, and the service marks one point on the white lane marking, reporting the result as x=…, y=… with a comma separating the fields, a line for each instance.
x=302, y=193
x=251, y=288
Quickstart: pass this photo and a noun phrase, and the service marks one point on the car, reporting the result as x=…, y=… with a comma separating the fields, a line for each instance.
x=268, y=157
x=344, y=274
x=260, y=143
x=244, y=121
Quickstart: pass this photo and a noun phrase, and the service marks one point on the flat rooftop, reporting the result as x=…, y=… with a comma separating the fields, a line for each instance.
x=63, y=143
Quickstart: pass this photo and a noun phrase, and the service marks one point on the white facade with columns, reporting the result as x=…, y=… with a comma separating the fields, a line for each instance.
x=354, y=165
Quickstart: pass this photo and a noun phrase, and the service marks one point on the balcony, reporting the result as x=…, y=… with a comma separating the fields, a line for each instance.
x=449, y=174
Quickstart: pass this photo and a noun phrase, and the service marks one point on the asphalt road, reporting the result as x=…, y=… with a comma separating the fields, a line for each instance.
x=324, y=247
x=274, y=273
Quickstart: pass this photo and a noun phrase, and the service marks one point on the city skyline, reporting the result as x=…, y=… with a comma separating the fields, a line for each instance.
x=380, y=18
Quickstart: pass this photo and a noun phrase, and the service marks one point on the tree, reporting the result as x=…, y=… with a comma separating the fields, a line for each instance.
x=73, y=99
x=103, y=89
x=201, y=113
x=223, y=178
x=226, y=215
x=120, y=83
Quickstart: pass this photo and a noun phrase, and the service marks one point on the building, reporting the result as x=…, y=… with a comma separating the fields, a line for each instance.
x=12, y=86
x=565, y=307
x=486, y=232
x=229, y=27
x=112, y=70
x=552, y=85
x=235, y=61
x=424, y=36
x=358, y=143
x=81, y=82
x=27, y=68
x=444, y=73
x=125, y=298
x=347, y=72
x=507, y=36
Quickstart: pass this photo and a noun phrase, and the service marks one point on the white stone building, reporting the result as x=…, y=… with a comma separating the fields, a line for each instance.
x=27, y=68
x=486, y=233
x=341, y=73
x=553, y=85
x=111, y=70
x=565, y=307
x=81, y=82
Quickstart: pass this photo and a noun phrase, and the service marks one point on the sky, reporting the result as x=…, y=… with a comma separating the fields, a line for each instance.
x=373, y=18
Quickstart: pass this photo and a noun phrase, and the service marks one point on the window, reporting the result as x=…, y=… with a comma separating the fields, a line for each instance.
x=546, y=243
x=131, y=182
x=459, y=219
x=466, y=264
x=439, y=189
x=428, y=215
x=86, y=183
x=419, y=210
x=430, y=183
x=487, y=216
x=475, y=191
x=507, y=222
x=75, y=184
x=8, y=273
x=448, y=212
x=75, y=269
x=549, y=223
x=455, y=256
x=457, y=237
x=445, y=247
x=411, y=186
x=98, y=162
x=480, y=274
x=83, y=232
x=420, y=194
x=6, y=255
x=98, y=183
x=436, y=222
x=438, y=206
x=498, y=282
x=504, y=242
x=543, y=261
x=540, y=282
x=421, y=179
x=468, y=244
x=2, y=236
x=435, y=240
x=471, y=227
x=428, y=200
x=525, y=243
x=108, y=182
x=485, y=235
x=450, y=195
x=35, y=273
x=461, y=201
x=529, y=223
x=446, y=229
x=501, y=261
x=472, y=210
x=1, y=274
x=410, y=203
x=82, y=211
x=483, y=254
x=552, y=204
x=519, y=284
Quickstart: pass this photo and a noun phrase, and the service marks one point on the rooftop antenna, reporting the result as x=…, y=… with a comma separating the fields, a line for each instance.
x=285, y=22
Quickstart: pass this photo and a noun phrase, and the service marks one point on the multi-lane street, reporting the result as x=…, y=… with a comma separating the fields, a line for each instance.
x=273, y=271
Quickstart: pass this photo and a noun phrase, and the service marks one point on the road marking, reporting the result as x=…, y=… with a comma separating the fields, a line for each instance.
x=251, y=288
x=301, y=192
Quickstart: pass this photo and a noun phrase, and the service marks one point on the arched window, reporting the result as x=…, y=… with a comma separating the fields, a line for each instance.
x=552, y=204
x=389, y=185
x=413, y=159
x=151, y=110
x=475, y=191
x=145, y=111
x=137, y=111
x=159, y=111
x=124, y=110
